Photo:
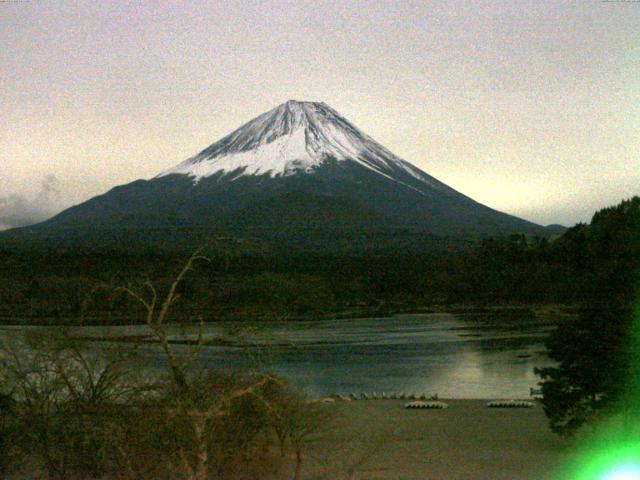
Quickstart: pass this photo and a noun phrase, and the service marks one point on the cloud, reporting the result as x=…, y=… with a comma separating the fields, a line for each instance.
x=18, y=210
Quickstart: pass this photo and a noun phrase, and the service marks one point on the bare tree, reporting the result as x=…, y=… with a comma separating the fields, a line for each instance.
x=157, y=312
x=296, y=422
x=197, y=410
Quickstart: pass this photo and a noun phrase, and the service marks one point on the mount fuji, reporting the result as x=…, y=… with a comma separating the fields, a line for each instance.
x=299, y=171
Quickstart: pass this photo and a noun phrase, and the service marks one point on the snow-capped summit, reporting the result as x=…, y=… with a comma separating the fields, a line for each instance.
x=293, y=137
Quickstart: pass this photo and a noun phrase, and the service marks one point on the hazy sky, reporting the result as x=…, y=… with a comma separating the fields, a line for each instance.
x=531, y=107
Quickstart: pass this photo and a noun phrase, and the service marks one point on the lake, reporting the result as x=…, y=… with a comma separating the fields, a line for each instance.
x=453, y=355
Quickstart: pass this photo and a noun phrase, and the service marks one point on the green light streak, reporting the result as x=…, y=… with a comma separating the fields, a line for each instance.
x=633, y=394
x=612, y=452
x=616, y=462
x=625, y=472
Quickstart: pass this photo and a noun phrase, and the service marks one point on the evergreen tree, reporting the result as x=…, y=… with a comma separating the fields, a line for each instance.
x=593, y=367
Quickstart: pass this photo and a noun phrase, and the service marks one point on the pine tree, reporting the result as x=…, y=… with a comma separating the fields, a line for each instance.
x=593, y=366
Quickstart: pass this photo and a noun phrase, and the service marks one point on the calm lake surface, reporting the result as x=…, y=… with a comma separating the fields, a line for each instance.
x=455, y=356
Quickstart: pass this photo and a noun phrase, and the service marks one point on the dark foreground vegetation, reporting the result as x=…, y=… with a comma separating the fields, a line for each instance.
x=596, y=370
x=589, y=263
x=597, y=353
x=68, y=412
x=69, y=409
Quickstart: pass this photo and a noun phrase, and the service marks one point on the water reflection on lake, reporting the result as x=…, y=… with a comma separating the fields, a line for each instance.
x=455, y=356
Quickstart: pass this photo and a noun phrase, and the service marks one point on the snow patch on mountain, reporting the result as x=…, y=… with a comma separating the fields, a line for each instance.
x=281, y=156
x=294, y=137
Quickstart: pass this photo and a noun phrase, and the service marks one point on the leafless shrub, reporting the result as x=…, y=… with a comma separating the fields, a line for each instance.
x=67, y=401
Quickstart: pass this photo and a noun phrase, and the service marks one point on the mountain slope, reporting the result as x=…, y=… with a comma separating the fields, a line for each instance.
x=300, y=168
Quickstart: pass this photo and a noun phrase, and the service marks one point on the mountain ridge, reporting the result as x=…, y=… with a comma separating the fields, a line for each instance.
x=293, y=150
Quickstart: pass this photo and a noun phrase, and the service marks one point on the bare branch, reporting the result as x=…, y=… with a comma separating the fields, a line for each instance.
x=224, y=404
x=198, y=346
x=87, y=299
x=154, y=294
x=171, y=296
x=136, y=297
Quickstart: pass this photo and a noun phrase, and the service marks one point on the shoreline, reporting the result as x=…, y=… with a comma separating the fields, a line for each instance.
x=539, y=310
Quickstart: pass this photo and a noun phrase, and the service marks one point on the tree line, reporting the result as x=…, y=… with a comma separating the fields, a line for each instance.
x=588, y=263
x=597, y=354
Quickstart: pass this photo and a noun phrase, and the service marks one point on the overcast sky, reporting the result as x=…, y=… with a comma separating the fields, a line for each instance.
x=530, y=107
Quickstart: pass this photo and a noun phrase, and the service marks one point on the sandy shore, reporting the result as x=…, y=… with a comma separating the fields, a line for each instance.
x=380, y=439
